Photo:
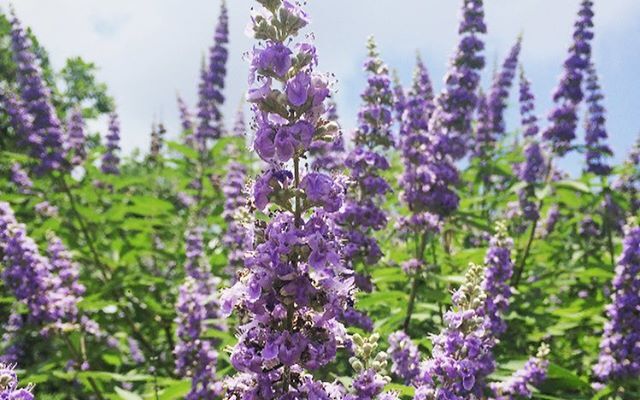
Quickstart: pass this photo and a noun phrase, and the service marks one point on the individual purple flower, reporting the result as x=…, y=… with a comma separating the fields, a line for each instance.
x=362, y=212
x=212, y=82
x=498, y=272
x=461, y=356
x=499, y=93
x=76, y=139
x=9, y=385
x=110, y=158
x=619, y=358
x=405, y=357
x=568, y=95
x=451, y=120
x=45, y=137
x=595, y=131
x=20, y=178
x=519, y=385
x=322, y=191
x=294, y=285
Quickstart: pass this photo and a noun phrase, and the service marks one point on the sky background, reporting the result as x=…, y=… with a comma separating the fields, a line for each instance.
x=149, y=50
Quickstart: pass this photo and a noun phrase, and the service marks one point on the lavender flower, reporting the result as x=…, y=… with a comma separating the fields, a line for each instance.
x=76, y=139
x=451, y=121
x=461, y=356
x=500, y=88
x=370, y=367
x=197, y=305
x=619, y=348
x=485, y=140
x=212, y=84
x=499, y=269
x=405, y=357
x=361, y=213
x=595, y=131
x=294, y=284
x=134, y=351
x=20, y=120
x=518, y=385
x=20, y=178
x=399, y=96
x=46, y=138
x=563, y=118
x=552, y=218
x=110, y=160
x=9, y=385
x=528, y=117
x=240, y=128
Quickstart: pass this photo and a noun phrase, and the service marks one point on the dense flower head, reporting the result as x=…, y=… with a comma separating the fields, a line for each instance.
x=237, y=238
x=519, y=385
x=294, y=286
x=212, y=82
x=197, y=307
x=528, y=118
x=499, y=93
x=498, y=272
x=568, y=95
x=76, y=138
x=399, y=96
x=46, y=136
x=451, y=120
x=9, y=385
x=595, y=130
x=370, y=368
x=461, y=356
x=405, y=357
x=110, y=159
x=485, y=138
x=620, y=345
x=20, y=178
x=21, y=121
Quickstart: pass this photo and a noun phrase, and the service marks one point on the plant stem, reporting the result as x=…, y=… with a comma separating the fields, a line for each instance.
x=81, y=359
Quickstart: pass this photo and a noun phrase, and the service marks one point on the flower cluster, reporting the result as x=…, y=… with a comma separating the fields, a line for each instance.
x=294, y=284
x=211, y=84
x=499, y=269
x=20, y=178
x=157, y=141
x=110, y=158
x=20, y=120
x=461, y=356
x=76, y=139
x=328, y=155
x=9, y=385
x=196, y=356
x=533, y=373
x=568, y=95
x=619, y=349
x=451, y=121
x=405, y=357
x=553, y=214
x=362, y=213
x=370, y=368
x=595, y=131
x=629, y=180
x=500, y=88
x=399, y=96
x=484, y=136
x=533, y=170
x=45, y=136
x=236, y=237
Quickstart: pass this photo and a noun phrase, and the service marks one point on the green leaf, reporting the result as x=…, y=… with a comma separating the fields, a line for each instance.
x=126, y=395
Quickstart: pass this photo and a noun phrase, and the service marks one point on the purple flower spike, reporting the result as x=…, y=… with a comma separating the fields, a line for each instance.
x=110, y=158
x=76, y=139
x=518, y=386
x=595, y=131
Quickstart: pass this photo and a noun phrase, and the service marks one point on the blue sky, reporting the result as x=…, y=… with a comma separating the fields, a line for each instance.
x=148, y=50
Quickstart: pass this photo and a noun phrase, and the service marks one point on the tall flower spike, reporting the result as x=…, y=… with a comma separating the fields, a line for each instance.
x=499, y=268
x=9, y=385
x=528, y=117
x=76, y=139
x=21, y=121
x=620, y=345
x=456, y=103
x=110, y=159
x=629, y=180
x=236, y=237
x=20, y=178
x=499, y=93
x=567, y=97
x=595, y=131
x=518, y=386
x=362, y=212
x=240, y=128
x=294, y=284
x=370, y=368
x=399, y=96
x=484, y=136
x=186, y=122
x=461, y=356
x=157, y=140
x=405, y=357
x=328, y=153
x=47, y=144
x=212, y=83
x=196, y=356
